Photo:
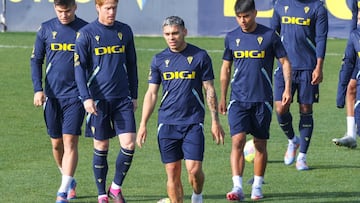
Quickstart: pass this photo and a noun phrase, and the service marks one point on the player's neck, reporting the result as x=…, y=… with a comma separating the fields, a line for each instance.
x=180, y=48
x=252, y=28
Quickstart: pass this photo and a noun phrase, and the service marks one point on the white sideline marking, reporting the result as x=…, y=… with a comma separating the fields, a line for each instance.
x=13, y=47
x=4, y=46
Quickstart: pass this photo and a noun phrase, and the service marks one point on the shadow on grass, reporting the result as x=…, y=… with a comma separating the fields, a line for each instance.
x=315, y=196
x=329, y=197
x=316, y=167
x=128, y=198
x=275, y=161
x=85, y=199
x=335, y=167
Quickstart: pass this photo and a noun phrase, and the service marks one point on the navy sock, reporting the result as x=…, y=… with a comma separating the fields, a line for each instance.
x=285, y=122
x=100, y=168
x=123, y=163
x=306, y=126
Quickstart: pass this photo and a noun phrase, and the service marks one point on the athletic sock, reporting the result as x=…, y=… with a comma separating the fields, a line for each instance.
x=123, y=163
x=258, y=181
x=306, y=126
x=115, y=189
x=237, y=181
x=65, y=183
x=301, y=156
x=351, y=127
x=102, y=196
x=285, y=122
x=100, y=167
x=195, y=198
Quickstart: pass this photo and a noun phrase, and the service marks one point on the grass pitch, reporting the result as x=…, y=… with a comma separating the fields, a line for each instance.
x=28, y=172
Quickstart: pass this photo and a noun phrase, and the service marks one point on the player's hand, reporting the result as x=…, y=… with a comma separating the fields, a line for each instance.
x=286, y=98
x=141, y=136
x=90, y=107
x=39, y=98
x=317, y=76
x=217, y=132
x=222, y=106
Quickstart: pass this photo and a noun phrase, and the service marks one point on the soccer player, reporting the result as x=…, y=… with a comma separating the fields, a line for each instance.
x=183, y=70
x=63, y=110
x=351, y=65
x=347, y=92
x=303, y=28
x=106, y=75
x=252, y=48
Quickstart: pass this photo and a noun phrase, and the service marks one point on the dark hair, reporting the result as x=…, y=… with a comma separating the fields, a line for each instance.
x=67, y=3
x=174, y=20
x=243, y=6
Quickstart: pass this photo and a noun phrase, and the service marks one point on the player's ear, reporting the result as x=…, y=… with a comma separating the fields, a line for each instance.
x=185, y=31
x=97, y=8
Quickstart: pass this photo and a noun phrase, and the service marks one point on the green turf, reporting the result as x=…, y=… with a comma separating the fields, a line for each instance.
x=28, y=172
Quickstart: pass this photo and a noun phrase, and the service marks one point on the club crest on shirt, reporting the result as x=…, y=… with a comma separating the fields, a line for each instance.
x=97, y=38
x=120, y=35
x=306, y=9
x=189, y=59
x=260, y=39
x=167, y=61
x=77, y=35
x=286, y=8
x=54, y=33
x=237, y=42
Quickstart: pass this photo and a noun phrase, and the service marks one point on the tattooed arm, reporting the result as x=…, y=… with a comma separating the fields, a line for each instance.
x=287, y=97
x=216, y=128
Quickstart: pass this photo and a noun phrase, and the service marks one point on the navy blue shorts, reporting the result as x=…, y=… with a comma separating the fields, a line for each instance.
x=178, y=142
x=301, y=82
x=63, y=116
x=250, y=118
x=113, y=117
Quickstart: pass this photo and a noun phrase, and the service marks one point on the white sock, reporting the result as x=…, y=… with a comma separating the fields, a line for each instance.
x=351, y=127
x=115, y=186
x=237, y=181
x=258, y=180
x=196, y=198
x=65, y=183
x=101, y=196
x=301, y=156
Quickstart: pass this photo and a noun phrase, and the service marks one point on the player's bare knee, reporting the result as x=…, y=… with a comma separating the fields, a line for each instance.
x=195, y=171
x=260, y=145
x=281, y=109
x=305, y=109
